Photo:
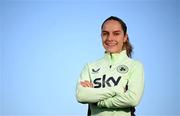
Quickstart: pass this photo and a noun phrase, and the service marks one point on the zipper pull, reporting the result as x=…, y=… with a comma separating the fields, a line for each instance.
x=110, y=66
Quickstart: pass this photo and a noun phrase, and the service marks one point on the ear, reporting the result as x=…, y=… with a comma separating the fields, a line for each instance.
x=125, y=38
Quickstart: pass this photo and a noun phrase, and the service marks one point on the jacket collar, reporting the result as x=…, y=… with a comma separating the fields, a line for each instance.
x=114, y=58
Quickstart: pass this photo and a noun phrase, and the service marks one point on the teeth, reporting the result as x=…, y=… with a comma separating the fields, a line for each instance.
x=110, y=44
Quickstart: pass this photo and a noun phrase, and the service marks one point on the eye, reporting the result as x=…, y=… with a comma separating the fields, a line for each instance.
x=117, y=33
x=104, y=33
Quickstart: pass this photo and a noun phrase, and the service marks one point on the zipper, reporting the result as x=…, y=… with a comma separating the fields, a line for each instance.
x=110, y=61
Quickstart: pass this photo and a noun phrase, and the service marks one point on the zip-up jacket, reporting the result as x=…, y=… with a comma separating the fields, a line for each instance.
x=118, y=84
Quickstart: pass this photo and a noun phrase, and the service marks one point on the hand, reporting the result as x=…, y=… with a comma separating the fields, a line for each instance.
x=86, y=83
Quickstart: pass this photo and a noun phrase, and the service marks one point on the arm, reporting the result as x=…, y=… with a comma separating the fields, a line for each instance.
x=88, y=94
x=132, y=96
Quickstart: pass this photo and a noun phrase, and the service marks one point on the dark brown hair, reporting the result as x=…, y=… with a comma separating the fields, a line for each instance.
x=127, y=45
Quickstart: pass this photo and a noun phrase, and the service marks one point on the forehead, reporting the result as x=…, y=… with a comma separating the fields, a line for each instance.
x=112, y=25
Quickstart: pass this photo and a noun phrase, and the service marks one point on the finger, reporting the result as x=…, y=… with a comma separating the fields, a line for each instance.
x=83, y=84
x=89, y=84
x=86, y=81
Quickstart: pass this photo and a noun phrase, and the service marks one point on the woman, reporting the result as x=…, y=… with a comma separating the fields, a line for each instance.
x=114, y=84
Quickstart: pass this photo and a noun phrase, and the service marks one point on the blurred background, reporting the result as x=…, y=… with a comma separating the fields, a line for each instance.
x=44, y=45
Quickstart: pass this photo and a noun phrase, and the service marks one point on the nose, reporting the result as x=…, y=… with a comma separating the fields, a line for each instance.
x=110, y=37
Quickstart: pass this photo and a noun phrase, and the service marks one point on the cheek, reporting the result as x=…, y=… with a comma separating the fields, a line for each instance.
x=103, y=39
x=103, y=42
x=120, y=40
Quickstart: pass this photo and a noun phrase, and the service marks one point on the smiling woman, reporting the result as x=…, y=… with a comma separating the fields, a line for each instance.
x=44, y=43
x=114, y=36
x=115, y=83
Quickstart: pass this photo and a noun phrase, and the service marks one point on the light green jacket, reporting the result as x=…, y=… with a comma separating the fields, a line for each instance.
x=118, y=84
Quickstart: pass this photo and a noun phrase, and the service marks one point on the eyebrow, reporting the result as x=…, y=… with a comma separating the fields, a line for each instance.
x=113, y=31
x=117, y=31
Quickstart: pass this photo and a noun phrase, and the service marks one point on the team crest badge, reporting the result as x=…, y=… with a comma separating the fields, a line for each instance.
x=122, y=69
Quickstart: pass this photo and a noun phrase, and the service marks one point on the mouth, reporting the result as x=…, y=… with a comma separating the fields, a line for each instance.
x=111, y=44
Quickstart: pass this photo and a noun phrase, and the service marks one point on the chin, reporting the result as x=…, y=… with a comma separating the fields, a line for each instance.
x=112, y=51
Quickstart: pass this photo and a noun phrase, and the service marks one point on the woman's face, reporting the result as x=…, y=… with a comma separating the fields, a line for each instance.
x=113, y=36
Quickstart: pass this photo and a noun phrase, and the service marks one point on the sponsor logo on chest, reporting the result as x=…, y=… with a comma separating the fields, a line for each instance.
x=105, y=81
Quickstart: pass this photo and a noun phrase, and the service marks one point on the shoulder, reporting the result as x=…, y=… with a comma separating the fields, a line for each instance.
x=96, y=63
x=136, y=65
x=137, y=62
x=133, y=63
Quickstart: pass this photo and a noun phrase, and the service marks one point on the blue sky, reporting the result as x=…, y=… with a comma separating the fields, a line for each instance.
x=45, y=44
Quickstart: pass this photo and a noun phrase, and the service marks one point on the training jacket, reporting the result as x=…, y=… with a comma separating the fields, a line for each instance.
x=118, y=84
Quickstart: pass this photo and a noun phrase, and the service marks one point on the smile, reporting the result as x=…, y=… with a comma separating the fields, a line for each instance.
x=110, y=44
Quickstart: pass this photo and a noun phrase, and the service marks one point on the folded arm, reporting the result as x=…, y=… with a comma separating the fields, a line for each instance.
x=86, y=94
x=132, y=96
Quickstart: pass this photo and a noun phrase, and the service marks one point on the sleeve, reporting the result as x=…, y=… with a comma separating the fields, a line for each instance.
x=91, y=95
x=134, y=93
